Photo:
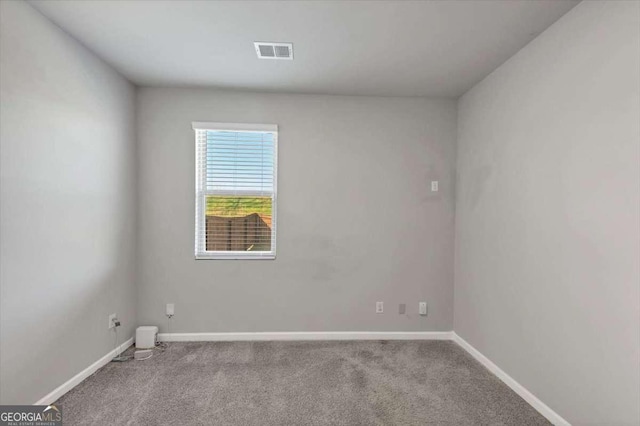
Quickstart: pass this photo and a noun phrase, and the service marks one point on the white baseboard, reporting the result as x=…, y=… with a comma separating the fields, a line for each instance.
x=540, y=406
x=75, y=380
x=317, y=335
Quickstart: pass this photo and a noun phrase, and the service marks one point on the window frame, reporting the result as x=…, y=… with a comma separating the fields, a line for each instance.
x=201, y=192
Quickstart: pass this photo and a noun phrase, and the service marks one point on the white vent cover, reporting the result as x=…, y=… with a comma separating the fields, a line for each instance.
x=268, y=50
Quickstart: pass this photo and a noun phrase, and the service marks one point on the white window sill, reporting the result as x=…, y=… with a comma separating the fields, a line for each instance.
x=235, y=256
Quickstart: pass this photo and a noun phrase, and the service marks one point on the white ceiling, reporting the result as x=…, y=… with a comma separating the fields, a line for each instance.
x=391, y=48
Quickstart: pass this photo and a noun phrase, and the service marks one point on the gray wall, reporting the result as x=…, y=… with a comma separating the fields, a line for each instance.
x=547, y=215
x=357, y=222
x=67, y=205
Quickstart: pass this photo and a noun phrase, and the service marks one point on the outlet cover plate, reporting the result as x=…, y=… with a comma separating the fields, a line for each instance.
x=423, y=308
x=112, y=317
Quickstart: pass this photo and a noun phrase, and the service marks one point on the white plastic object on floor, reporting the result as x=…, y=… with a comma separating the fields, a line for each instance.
x=143, y=354
x=146, y=337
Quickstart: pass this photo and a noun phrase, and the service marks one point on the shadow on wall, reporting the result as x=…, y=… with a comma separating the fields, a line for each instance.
x=244, y=233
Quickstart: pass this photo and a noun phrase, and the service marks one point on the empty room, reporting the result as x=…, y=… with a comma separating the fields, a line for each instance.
x=329, y=212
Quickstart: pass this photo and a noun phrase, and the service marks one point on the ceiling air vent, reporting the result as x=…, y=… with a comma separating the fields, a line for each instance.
x=268, y=50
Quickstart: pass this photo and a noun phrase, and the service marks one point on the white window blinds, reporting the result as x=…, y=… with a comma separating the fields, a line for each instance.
x=236, y=182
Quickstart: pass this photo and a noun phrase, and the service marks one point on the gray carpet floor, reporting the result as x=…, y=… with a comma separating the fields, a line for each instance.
x=298, y=383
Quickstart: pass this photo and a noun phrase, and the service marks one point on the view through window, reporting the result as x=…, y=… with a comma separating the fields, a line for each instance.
x=235, y=190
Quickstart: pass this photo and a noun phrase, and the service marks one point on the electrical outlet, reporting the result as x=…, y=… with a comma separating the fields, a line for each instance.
x=112, y=319
x=379, y=307
x=170, y=310
x=402, y=308
x=434, y=186
x=423, y=308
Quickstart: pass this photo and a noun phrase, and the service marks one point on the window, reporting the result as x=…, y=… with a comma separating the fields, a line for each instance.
x=236, y=191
